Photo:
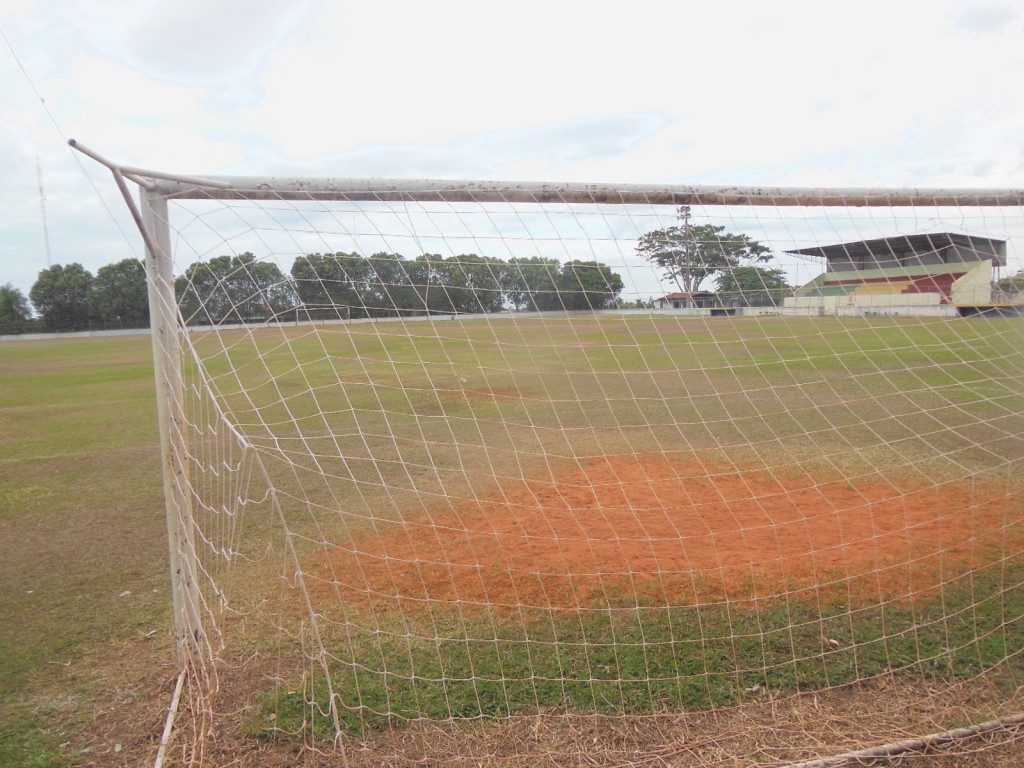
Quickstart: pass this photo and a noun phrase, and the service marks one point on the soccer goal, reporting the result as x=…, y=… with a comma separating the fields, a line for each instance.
x=485, y=473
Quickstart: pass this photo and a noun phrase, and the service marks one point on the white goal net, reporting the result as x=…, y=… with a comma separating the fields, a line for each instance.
x=547, y=475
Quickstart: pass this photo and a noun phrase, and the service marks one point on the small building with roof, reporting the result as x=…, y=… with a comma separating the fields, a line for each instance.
x=688, y=300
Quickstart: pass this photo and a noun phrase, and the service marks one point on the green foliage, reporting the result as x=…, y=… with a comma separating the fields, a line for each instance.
x=388, y=284
x=533, y=283
x=240, y=289
x=233, y=289
x=14, y=307
x=333, y=284
x=69, y=298
x=750, y=286
x=589, y=285
x=393, y=285
x=1012, y=284
x=468, y=283
x=120, y=295
x=62, y=295
x=688, y=254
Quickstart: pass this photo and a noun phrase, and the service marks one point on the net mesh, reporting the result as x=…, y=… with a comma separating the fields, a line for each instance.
x=594, y=480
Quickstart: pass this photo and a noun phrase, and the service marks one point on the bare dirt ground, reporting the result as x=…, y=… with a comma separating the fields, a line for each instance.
x=675, y=533
x=670, y=531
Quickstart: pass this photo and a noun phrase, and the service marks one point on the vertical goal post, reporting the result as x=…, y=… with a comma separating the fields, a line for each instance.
x=519, y=510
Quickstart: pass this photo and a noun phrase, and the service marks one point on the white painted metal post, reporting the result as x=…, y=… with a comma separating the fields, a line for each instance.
x=166, y=335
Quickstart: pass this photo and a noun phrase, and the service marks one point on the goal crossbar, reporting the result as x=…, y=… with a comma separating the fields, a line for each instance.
x=180, y=187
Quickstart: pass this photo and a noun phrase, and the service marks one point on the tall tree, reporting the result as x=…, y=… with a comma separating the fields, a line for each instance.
x=481, y=276
x=589, y=285
x=531, y=283
x=233, y=289
x=62, y=296
x=429, y=276
x=120, y=295
x=333, y=283
x=395, y=285
x=1013, y=283
x=688, y=254
x=751, y=286
x=14, y=307
x=467, y=283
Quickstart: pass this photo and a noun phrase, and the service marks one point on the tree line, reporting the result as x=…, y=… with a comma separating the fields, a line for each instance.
x=71, y=298
x=233, y=289
x=241, y=288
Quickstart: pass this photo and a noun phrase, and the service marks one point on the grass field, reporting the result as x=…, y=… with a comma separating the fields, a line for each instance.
x=430, y=416
x=81, y=524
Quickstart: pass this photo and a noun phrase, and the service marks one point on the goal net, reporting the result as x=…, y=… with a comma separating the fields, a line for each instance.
x=555, y=474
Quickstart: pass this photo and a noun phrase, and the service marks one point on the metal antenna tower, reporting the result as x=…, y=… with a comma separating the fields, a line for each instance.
x=42, y=207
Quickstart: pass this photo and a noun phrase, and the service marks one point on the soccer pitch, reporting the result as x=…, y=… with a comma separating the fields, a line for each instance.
x=614, y=514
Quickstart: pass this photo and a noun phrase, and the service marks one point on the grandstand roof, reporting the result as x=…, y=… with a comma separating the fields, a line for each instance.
x=919, y=243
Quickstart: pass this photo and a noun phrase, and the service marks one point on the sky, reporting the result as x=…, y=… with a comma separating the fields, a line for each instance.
x=900, y=93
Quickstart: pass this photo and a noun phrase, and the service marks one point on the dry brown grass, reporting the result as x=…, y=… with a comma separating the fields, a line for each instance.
x=766, y=732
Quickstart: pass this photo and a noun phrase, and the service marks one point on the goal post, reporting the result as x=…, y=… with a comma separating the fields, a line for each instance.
x=451, y=465
x=166, y=336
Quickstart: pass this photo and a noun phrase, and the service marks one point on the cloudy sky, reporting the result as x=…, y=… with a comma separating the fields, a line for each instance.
x=904, y=93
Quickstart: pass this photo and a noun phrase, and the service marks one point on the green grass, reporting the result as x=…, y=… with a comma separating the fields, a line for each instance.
x=81, y=522
x=81, y=510
x=668, y=659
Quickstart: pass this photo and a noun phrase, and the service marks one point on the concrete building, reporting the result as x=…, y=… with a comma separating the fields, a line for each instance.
x=688, y=300
x=943, y=274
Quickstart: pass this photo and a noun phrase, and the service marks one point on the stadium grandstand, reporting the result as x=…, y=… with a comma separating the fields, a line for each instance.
x=941, y=274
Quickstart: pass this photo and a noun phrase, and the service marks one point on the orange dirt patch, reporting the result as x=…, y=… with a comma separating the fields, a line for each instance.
x=623, y=529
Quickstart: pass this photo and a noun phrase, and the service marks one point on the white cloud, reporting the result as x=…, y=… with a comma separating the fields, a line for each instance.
x=913, y=93
x=193, y=42
x=988, y=17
